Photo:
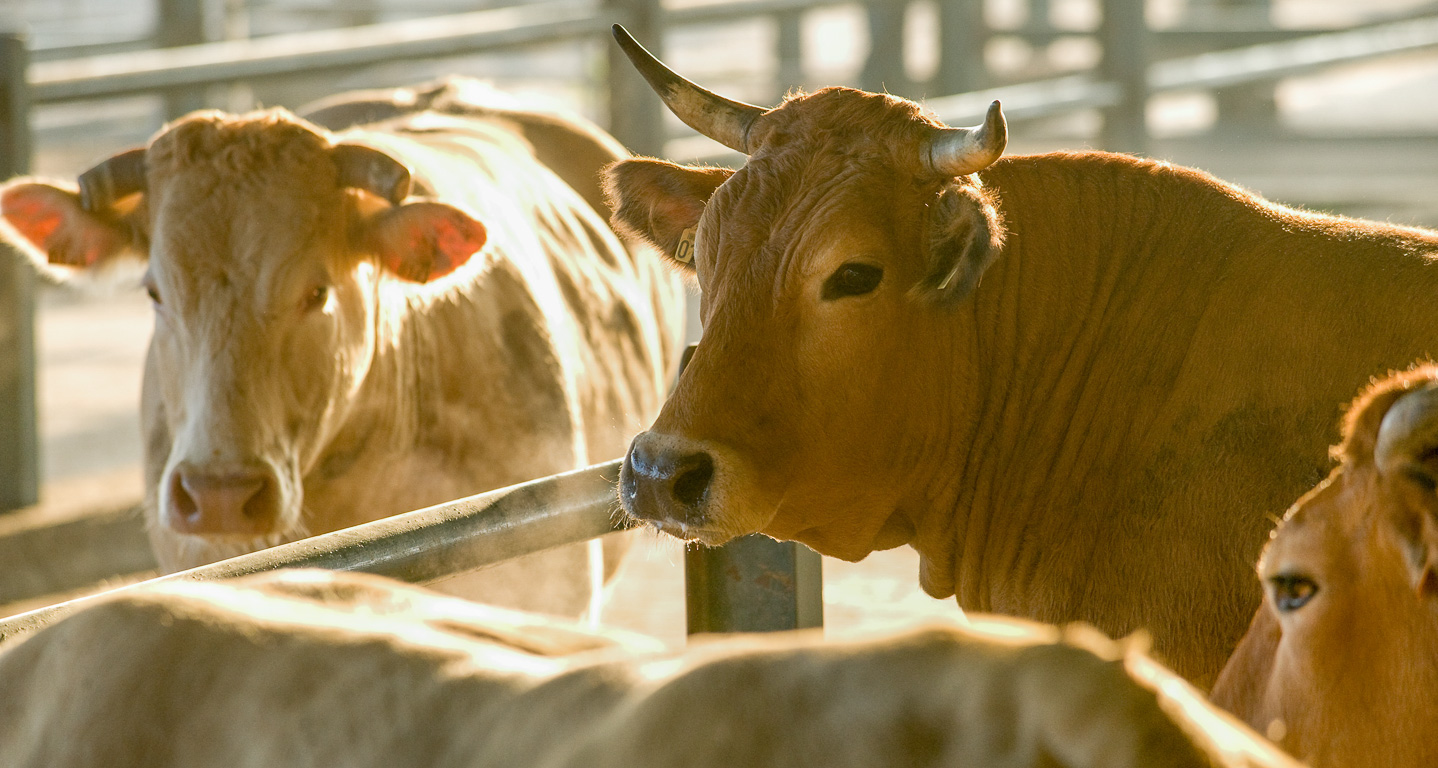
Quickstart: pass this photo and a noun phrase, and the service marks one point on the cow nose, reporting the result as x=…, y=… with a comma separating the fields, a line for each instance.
x=229, y=502
x=664, y=482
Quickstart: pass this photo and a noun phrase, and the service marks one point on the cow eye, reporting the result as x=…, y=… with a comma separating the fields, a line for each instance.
x=316, y=298
x=852, y=279
x=153, y=292
x=1291, y=591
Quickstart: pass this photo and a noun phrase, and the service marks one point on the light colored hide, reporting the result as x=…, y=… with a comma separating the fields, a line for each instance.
x=318, y=669
x=323, y=358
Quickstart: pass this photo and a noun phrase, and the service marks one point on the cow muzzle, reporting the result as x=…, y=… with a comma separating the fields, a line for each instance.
x=667, y=481
x=232, y=501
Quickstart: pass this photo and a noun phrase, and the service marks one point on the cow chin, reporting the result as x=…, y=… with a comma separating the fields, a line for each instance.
x=692, y=490
x=176, y=551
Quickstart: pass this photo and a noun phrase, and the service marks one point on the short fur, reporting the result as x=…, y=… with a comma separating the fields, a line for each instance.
x=1346, y=679
x=355, y=359
x=1130, y=376
x=322, y=669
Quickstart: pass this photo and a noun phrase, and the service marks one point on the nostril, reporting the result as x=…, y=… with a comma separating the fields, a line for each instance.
x=263, y=503
x=692, y=480
x=183, y=503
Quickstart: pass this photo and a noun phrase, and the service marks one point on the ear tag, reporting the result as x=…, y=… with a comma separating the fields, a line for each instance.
x=685, y=252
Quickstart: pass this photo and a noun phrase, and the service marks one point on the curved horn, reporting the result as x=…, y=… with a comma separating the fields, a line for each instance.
x=373, y=171
x=120, y=176
x=1409, y=429
x=960, y=151
x=725, y=121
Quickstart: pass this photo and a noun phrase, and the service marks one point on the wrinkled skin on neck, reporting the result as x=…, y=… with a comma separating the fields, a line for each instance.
x=1344, y=676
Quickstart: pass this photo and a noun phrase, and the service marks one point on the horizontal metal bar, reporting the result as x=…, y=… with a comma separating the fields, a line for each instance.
x=1294, y=57
x=123, y=74
x=425, y=545
x=1040, y=98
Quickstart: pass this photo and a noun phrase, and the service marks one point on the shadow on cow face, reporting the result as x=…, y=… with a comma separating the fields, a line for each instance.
x=816, y=263
x=1348, y=632
x=266, y=246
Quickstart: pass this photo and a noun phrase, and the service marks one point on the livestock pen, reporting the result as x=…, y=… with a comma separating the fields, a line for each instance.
x=432, y=543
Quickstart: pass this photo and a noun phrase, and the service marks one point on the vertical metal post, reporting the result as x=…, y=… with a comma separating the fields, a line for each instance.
x=181, y=22
x=790, y=52
x=884, y=68
x=1251, y=108
x=753, y=583
x=963, y=33
x=19, y=444
x=636, y=116
x=1124, y=37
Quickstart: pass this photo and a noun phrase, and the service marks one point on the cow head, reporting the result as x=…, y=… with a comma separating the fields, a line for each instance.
x=268, y=246
x=855, y=228
x=1347, y=635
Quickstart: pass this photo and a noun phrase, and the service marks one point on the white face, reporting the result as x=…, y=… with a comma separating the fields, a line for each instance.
x=263, y=335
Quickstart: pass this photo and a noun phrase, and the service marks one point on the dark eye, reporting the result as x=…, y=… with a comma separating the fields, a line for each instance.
x=153, y=292
x=316, y=298
x=1291, y=591
x=852, y=279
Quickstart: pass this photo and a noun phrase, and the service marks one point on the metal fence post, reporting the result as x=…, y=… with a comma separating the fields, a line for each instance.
x=1124, y=34
x=636, y=115
x=884, y=68
x=753, y=583
x=1250, y=108
x=963, y=33
x=181, y=22
x=789, y=50
x=19, y=444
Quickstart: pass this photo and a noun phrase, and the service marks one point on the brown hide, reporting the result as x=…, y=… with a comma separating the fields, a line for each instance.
x=1139, y=372
x=1341, y=661
x=322, y=669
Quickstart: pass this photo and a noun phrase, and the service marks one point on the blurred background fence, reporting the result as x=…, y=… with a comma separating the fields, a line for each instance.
x=1315, y=102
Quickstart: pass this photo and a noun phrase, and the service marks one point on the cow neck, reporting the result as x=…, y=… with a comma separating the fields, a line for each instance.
x=1063, y=381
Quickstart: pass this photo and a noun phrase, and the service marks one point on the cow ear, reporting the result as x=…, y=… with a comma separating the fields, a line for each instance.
x=49, y=224
x=661, y=202
x=965, y=234
x=1405, y=453
x=423, y=240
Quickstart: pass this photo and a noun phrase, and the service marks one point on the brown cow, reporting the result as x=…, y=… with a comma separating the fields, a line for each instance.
x=1341, y=662
x=311, y=668
x=353, y=325
x=1079, y=384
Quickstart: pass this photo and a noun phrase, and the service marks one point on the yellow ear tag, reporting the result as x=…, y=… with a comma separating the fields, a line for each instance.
x=685, y=252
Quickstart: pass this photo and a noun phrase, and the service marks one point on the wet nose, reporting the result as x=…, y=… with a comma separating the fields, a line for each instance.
x=233, y=501
x=664, y=480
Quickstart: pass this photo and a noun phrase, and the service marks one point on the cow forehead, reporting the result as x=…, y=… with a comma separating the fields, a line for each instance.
x=806, y=205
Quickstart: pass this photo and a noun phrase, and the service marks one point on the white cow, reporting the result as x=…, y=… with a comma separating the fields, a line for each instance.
x=353, y=324
x=309, y=668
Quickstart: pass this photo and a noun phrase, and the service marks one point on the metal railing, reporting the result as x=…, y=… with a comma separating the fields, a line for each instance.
x=425, y=545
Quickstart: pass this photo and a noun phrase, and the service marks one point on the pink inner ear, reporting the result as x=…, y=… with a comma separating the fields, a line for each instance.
x=424, y=241
x=52, y=221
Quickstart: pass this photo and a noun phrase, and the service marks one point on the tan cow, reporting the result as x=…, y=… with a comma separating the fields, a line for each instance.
x=310, y=668
x=1341, y=663
x=352, y=325
x=1080, y=385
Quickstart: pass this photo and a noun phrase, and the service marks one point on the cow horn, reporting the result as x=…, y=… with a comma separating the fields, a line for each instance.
x=960, y=151
x=725, y=121
x=1409, y=429
x=118, y=177
x=373, y=171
